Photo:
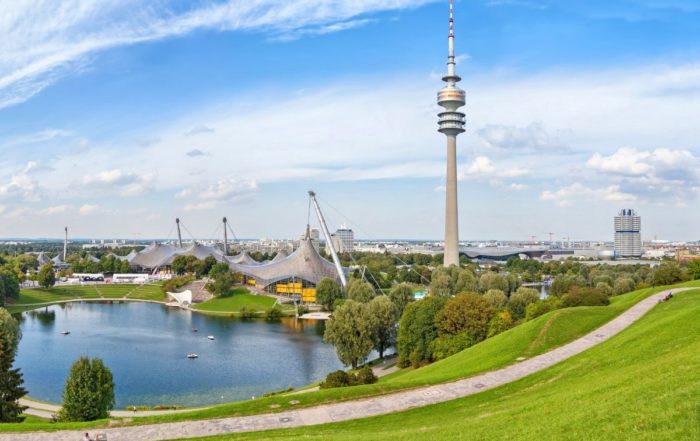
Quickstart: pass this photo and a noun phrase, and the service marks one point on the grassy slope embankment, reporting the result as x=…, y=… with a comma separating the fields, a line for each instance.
x=540, y=335
x=639, y=385
x=241, y=298
x=47, y=296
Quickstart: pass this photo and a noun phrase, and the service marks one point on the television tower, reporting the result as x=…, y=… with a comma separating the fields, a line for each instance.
x=451, y=123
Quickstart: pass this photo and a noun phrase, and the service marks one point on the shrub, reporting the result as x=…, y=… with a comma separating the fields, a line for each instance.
x=338, y=379
x=366, y=376
x=274, y=313
x=623, y=285
x=584, y=297
x=175, y=283
x=246, y=313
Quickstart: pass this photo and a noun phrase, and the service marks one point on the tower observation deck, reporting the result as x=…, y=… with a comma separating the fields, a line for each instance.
x=451, y=123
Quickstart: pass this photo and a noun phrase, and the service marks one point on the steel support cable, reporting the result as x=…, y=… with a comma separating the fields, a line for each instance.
x=410, y=267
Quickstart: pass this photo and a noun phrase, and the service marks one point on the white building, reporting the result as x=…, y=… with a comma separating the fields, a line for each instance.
x=628, y=236
x=343, y=240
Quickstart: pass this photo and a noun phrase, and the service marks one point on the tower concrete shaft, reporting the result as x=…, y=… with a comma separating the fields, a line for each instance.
x=451, y=123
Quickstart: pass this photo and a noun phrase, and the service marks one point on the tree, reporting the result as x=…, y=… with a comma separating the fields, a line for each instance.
x=382, y=317
x=466, y=312
x=349, y=330
x=223, y=280
x=491, y=280
x=46, y=277
x=327, y=292
x=496, y=298
x=441, y=282
x=623, y=285
x=401, y=295
x=667, y=273
x=11, y=380
x=89, y=391
x=417, y=330
x=517, y=305
x=466, y=281
x=584, y=297
x=9, y=285
x=502, y=321
x=694, y=269
x=360, y=291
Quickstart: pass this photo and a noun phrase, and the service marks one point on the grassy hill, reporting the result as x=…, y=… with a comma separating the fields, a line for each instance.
x=642, y=384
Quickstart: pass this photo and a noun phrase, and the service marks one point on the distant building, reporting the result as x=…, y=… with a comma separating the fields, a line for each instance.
x=628, y=236
x=343, y=240
x=315, y=236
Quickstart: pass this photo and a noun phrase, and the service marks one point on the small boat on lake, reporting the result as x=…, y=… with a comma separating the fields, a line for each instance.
x=192, y=356
x=195, y=330
x=210, y=337
x=65, y=332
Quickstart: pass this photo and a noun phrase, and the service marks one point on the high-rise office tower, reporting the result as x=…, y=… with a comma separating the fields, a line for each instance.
x=628, y=236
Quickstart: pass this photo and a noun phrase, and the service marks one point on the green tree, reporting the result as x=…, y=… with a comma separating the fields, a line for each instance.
x=466, y=281
x=11, y=381
x=350, y=331
x=9, y=285
x=327, y=292
x=382, y=316
x=694, y=269
x=517, y=305
x=466, y=312
x=89, y=391
x=46, y=277
x=623, y=285
x=584, y=297
x=502, y=321
x=492, y=280
x=401, y=295
x=441, y=282
x=496, y=298
x=223, y=280
x=417, y=330
x=360, y=291
x=667, y=273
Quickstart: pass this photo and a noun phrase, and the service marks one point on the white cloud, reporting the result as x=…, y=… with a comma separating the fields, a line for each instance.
x=88, y=209
x=483, y=167
x=532, y=137
x=517, y=187
x=566, y=195
x=43, y=41
x=35, y=167
x=128, y=184
x=58, y=209
x=21, y=185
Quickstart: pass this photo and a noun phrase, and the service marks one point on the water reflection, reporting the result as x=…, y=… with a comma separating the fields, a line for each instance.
x=145, y=346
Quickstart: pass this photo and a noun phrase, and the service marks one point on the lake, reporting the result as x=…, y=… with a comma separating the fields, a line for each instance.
x=145, y=346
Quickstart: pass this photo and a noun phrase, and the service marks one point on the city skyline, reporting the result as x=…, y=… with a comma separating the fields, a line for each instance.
x=115, y=126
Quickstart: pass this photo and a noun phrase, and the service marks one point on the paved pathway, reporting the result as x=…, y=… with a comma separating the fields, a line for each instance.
x=368, y=407
x=46, y=410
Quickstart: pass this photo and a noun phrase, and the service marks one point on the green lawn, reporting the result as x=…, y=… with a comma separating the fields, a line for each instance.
x=146, y=292
x=546, y=332
x=640, y=385
x=233, y=304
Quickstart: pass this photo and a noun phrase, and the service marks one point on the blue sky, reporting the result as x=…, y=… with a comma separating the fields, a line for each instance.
x=118, y=116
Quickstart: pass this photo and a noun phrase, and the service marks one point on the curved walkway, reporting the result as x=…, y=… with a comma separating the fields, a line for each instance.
x=363, y=408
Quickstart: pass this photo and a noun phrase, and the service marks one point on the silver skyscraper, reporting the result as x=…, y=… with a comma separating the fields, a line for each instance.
x=451, y=123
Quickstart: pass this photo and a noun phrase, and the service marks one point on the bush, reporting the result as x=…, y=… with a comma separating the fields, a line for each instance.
x=623, y=285
x=89, y=391
x=245, y=313
x=366, y=376
x=584, y=297
x=175, y=283
x=496, y=298
x=274, y=313
x=338, y=379
x=465, y=312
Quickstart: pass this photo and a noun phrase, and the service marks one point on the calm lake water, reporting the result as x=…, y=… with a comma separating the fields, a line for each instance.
x=145, y=347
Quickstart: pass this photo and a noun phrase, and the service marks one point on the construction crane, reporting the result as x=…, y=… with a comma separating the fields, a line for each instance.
x=551, y=236
x=329, y=242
